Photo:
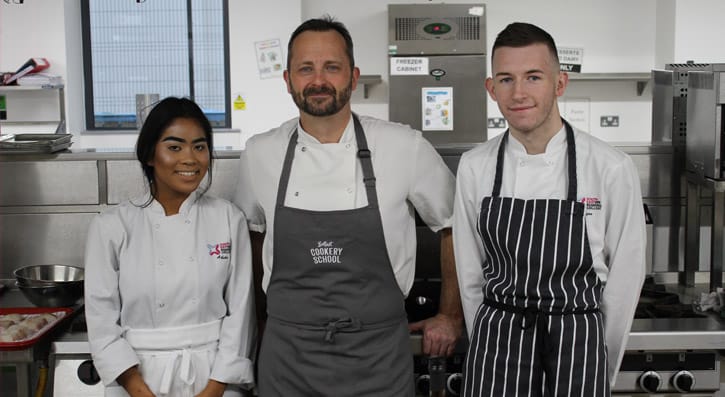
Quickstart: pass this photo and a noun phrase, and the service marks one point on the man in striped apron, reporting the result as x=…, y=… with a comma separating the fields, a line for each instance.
x=548, y=236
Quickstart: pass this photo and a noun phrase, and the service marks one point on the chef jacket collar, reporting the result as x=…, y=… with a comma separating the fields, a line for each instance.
x=304, y=137
x=157, y=209
x=555, y=146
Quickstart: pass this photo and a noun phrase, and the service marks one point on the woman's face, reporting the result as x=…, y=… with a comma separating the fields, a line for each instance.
x=180, y=161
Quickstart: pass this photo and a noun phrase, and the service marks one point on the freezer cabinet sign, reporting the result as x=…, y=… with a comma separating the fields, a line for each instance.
x=437, y=109
x=410, y=66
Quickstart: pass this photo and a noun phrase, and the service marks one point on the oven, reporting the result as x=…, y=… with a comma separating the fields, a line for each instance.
x=672, y=347
x=72, y=372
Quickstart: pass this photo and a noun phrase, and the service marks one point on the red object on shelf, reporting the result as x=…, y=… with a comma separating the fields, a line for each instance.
x=62, y=313
x=33, y=65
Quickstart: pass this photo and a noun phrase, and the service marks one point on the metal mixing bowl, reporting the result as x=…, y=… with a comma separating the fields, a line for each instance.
x=59, y=295
x=51, y=285
x=48, y=275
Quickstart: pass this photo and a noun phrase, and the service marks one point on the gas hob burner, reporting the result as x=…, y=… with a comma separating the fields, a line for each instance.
x=655, y=302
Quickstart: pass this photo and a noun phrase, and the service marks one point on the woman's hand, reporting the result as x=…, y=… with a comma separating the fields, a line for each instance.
x=133, y=382
x=213, y=389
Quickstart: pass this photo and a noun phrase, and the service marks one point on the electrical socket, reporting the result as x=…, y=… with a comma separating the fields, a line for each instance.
x=496, y=122
x=609, y=121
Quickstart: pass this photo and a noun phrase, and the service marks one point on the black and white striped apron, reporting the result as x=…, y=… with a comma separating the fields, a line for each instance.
x=539, y=331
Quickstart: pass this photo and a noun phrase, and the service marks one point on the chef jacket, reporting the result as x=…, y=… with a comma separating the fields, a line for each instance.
x=325, y=177
x=609, y=187
x=144, y=269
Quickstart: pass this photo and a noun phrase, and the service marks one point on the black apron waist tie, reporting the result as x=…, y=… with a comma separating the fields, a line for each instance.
x=347, y=324
x=533, y=315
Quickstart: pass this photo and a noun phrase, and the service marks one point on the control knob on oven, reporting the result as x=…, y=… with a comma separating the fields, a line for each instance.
x=422, y=384
x=87, y=373
x=650, y=381
x=683, y=381
x=454, y=384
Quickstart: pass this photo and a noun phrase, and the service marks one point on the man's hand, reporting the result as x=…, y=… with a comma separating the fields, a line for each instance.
x=440, y=334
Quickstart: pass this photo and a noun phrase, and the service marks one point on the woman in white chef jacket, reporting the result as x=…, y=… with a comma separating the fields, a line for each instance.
x=168, y=288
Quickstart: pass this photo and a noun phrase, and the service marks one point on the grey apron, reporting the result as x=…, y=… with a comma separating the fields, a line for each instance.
x=539, y=331
x=336, y=318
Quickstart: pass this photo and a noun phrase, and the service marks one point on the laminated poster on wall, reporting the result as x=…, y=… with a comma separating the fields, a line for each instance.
x=437, y=108
x=269, y=58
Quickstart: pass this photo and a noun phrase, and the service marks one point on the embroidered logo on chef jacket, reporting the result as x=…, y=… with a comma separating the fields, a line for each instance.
x=326, y=252
x=592, y=203
x=220, y=250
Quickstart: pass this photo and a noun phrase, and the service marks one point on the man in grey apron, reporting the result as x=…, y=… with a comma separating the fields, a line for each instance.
x=549, y=239
x=336, y=323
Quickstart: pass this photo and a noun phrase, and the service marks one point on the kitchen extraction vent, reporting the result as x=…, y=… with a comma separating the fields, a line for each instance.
x=436, y=29
x=462, y=28
x=702, y=81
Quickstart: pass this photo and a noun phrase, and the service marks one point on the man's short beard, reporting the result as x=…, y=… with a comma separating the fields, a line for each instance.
x=338, y=101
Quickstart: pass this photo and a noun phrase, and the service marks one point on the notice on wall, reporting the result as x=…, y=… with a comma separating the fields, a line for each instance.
x=576, y=112
x=269, y=58
x=437, y=108
x=408, y=66
x=570, y=59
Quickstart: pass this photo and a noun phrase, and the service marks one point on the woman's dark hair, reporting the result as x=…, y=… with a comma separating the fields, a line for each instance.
x=323, y=24
x=522, y=34
x=165, y=112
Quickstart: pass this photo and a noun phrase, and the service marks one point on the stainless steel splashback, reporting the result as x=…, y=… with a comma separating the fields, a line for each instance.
x=706, y=100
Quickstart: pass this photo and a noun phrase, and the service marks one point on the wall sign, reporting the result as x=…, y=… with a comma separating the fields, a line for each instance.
x=570, y=59
x=408, y=66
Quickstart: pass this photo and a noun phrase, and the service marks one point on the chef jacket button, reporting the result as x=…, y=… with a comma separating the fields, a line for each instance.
x=304, y=148
x=349, y=190
x=522, y=163
x=187, y=221
x=190, y=259
x=161, y=263
x=347, y=146
x=297, y=194
x=162, y=304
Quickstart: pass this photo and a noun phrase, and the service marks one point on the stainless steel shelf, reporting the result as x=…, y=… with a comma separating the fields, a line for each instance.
x=60, y=128
x=367, y=81
x=640, y=78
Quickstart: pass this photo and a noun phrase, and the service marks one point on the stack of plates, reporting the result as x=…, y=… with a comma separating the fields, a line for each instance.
x=34, y=143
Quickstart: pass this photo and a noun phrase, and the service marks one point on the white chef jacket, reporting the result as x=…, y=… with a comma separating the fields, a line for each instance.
x=144, y=269
x=324, y=177
x=607, y=183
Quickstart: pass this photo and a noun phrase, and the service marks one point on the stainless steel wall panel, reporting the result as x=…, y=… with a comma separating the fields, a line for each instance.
x=30, y=239
x=125, y=179
x=655, y=174
x=48, y=183
x=225, y=175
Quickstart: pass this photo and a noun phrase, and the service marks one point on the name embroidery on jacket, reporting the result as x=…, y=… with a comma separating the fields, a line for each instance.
x=220, y=250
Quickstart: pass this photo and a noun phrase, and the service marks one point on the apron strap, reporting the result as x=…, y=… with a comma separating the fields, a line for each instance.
x=570, y=157
x=363, y=154
x=571, y=160
x=286, y=169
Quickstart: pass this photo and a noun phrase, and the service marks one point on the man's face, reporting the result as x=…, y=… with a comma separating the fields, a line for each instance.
x=319, y=78
x=526, y=83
